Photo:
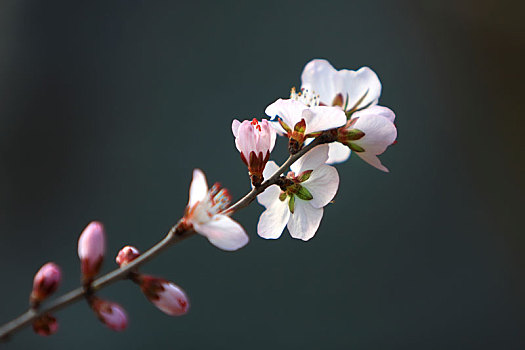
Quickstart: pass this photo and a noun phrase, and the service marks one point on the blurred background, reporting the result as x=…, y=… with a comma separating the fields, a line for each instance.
x=107, y=106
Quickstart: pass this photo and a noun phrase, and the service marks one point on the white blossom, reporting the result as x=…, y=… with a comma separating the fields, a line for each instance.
x=298, y=204
x=203, y=213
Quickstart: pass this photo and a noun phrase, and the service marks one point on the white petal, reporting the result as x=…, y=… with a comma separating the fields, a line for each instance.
x=318, y=77
x=305, y=220
x=290, y=111
x=355, y=84
x=311, y=160
x=273, y=220
x=372, y=160
x=377, y=110
x=337, y=153
x=270, y=169
x=223, y=232
x=235, y=127
x=322, y=118
x=322, y=184
x=379, y=132
x=269, y=195
x=198, y=187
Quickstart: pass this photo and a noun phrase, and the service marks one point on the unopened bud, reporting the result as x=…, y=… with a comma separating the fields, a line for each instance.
x=45, y=283
x=91, y=247
x=255, y=140
x=45, y=325
x=110, y=313
x=165, y=295
x=127, y=255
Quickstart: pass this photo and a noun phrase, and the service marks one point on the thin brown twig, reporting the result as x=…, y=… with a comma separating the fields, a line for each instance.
x=176, y=234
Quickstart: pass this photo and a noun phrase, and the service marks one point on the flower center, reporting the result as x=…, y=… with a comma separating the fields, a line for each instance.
x=307, y=97
x=256, y=125
x=216, y=201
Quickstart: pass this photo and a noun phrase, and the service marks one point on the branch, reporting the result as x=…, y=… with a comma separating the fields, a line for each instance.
x=176, y=234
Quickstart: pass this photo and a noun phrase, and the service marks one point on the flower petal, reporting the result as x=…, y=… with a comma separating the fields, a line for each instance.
x=198, y=187
x=322, y=118
x=355, y=84
x=266, y=125
x=318, y=76
x=247, y=140
x=273, y=220
x=305, y=220
x=337, y=153
x=268, y=196
x=270, y=169
x=377, y=110
x=235, y=127
x=223, y=232
x=372, y=160
x=379, y=131
x=322, y=184
x=311, y=160
x=290, y=111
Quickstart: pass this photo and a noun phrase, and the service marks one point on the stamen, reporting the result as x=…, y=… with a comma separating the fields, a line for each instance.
x=309, y=98
x=219, y=198
x=255, y=123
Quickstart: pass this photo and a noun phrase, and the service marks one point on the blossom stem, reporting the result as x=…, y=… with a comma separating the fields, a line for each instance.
x=176, y=234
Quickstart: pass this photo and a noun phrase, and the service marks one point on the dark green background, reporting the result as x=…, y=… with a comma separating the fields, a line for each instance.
x=107, y=106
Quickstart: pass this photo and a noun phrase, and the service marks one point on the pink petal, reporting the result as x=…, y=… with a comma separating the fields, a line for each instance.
x=172, y=300
x=235, y=127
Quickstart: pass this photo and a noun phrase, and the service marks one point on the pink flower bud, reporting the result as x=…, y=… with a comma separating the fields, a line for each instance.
x=91, y=247
x=165, y=295
x=46, y=282
x=45, y=325
x=110, y=313
x=255, y=141
x=127, y=255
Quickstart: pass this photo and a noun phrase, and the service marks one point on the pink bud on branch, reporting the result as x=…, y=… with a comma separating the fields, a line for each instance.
x=165, y=295
x=255, y=140
x=127, y=255
x=109, y=313
x=45, y=325
x=45, y=283
x=91, y=248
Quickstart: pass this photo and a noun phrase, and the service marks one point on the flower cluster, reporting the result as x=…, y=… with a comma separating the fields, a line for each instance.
x=369, y=128
x=339, y=106
x=335, y=113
